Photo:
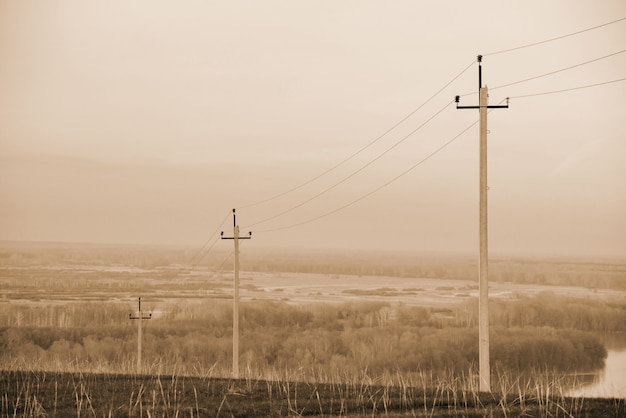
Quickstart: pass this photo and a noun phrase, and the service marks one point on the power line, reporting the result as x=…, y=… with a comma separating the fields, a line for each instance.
x=554, y=39
x=429, y=99
x=193, y=267
x=561, y=70
x=551, y=72
x=379, y=156
x=191, y=264
x=405, y=172
x=224, y=261
x=417, y=109
x=570, y=89
x=364, y=196
x=361, y=149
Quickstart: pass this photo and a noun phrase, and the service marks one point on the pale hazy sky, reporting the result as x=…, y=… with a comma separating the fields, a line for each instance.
x=147, y=121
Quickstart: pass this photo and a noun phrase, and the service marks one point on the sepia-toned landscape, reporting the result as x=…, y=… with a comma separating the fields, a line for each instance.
x=323, y=208
x=351, y=334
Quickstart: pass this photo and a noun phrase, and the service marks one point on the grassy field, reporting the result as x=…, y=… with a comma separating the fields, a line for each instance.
x=46, y=394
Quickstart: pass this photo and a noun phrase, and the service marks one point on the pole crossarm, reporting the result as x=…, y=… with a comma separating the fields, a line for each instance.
x=236, y=236
x=478, y=107
x=480, y=86
x=139, y=314
x=457, y=98
x=483, y=259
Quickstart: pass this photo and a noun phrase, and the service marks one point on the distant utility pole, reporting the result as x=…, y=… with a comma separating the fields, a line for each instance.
x=236, y=239
x=483, y=283
x=140, y=316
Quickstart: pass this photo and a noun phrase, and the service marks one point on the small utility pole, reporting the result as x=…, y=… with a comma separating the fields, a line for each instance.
x=236, y=239
x=140, y=316
x=483, y=283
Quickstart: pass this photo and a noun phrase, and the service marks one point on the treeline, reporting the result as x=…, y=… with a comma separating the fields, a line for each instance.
x=566, y=313
x=344, y=352
x=344, y=338
x=544, y=310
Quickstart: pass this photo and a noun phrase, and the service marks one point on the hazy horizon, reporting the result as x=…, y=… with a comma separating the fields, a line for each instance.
x=199, y=249
x=147, y=122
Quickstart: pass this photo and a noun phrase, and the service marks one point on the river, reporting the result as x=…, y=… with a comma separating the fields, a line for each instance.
x=609, y=382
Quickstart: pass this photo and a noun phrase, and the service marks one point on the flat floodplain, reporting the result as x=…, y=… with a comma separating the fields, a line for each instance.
x=321, y=335
x=118, y=283
x=310, y=287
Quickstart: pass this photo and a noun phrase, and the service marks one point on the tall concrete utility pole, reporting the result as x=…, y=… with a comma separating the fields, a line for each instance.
x=140, y=316
x=236, y=239
x=483, y=281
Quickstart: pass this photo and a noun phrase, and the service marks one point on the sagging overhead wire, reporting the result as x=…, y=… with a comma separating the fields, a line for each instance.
x=554, y=39
x=551, y=72
x=558, y=71
x=351, y=156
x=354, y=173
x=446, y=144
x=404, y=138
x=382, y=186
x=216, y=270
x=201, y=253
x=569, y=89
x=420, y=162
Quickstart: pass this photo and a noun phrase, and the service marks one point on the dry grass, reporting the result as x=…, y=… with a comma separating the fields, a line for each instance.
x=29, y=393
